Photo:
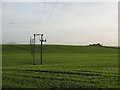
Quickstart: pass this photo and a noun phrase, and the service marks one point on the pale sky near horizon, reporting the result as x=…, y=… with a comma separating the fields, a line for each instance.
x=78, y=23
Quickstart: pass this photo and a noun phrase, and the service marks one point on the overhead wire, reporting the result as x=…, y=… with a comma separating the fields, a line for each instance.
x=62, y=8
x=49, y=17
x=45, y=25
x=41, y=16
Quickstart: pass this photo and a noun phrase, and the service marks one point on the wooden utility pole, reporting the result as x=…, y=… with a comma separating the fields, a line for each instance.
x=34, y=51
x=41, y=40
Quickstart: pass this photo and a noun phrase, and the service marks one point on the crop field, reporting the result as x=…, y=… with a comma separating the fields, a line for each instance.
x=64, y=66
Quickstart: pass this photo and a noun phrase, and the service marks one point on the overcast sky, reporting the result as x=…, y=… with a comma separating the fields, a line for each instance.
x=61, y=22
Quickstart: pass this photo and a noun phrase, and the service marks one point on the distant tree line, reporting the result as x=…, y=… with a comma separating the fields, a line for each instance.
x=98, y=44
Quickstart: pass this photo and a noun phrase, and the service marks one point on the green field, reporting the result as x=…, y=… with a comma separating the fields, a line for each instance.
x=63, y=66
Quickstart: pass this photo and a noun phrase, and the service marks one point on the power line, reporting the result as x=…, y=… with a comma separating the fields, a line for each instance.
x=49, y=16
x=42, y=12
x=62, y=8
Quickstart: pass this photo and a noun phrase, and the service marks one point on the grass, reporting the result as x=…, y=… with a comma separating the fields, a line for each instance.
x=63, y=67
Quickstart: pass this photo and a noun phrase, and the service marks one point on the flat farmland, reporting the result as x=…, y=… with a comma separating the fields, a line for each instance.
x=64, y=66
